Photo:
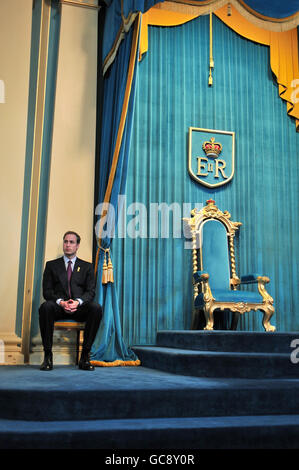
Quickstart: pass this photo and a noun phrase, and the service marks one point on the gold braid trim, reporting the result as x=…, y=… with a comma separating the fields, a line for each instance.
x=119, y=133
x=115, y=363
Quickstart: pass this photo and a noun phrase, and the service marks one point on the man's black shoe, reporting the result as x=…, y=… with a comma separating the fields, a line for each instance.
x=48, y=362
x=84, y=362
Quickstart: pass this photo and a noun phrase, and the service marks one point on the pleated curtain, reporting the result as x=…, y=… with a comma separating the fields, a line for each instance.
x=153, y=271
x=109, y=346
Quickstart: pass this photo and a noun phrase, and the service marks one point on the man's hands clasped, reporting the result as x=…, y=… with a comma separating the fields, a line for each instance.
x=69, y=306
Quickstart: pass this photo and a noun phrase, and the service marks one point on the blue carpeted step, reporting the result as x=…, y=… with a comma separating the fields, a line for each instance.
x=234, y=432
x=67, y=393
x=228, y=341
x=217, y=364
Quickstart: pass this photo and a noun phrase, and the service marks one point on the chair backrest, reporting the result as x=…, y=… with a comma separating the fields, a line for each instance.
x=214, y=254
x=212, y=234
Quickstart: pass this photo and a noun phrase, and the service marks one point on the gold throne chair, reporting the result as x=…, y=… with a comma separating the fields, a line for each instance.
x=215, y=282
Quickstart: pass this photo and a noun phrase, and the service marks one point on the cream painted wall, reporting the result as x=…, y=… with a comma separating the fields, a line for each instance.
x=71, y=190
x=15, y=37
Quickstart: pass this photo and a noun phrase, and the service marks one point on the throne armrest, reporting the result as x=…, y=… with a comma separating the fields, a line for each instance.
x=254, y=278
x=200, y=276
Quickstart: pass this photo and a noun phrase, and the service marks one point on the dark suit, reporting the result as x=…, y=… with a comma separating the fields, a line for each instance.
x=55, y=286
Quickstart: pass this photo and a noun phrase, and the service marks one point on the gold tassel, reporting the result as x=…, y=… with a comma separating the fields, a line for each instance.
x=110, y=269
x=105, y=273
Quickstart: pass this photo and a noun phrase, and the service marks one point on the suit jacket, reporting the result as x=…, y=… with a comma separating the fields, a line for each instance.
x=55, y=284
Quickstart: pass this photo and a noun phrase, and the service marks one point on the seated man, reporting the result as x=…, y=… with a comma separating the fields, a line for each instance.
x=68, y=290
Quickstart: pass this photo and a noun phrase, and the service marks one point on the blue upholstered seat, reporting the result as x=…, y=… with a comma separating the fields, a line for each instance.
x=225, y=295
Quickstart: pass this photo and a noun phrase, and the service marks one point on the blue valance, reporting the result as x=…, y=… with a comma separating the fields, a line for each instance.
x=120, y=16
x=274, y=8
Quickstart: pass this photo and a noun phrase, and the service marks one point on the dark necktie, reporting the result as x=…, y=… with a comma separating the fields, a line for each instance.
x=69, y=275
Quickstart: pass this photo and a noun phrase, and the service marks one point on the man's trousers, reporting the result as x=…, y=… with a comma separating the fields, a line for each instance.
x=50, y=311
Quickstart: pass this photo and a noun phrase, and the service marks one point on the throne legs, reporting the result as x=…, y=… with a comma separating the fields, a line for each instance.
x=267, y=309
x=268, y=313
x=209, y=316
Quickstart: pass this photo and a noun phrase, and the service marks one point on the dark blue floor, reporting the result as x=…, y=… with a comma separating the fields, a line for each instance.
x=148, y=408
x=107, y=408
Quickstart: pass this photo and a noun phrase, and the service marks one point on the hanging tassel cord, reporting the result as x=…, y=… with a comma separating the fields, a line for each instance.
x=107, y=275
x=211, y=50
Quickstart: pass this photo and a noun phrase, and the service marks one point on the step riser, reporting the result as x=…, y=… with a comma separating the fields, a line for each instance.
x=224, y=438
x=189, y=402
x=228, y=341
x=235, y=366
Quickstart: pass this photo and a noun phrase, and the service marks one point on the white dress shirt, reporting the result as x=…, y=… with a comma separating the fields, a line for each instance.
x=66, y=262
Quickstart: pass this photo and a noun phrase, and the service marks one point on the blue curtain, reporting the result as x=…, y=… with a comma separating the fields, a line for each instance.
x=119, y=9
x=153, y=277
x=109, y=345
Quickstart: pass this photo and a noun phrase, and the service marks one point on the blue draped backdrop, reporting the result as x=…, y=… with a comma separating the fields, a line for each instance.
x=109, y=345
x=153, y=275
x=169, y=93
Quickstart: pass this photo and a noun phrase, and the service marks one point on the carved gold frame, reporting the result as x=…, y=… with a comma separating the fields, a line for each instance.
x=194, y=223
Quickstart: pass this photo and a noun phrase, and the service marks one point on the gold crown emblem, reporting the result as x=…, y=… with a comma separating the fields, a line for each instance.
x=212, y=148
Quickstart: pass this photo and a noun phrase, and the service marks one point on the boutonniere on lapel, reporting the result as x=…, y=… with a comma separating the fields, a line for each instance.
x=78, y=269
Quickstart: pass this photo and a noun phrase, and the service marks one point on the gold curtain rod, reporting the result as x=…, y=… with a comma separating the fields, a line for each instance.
x=79, y=4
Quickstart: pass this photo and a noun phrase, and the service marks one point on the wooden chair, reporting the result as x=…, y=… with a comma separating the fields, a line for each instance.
x=216, y=284
x=71, y=325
